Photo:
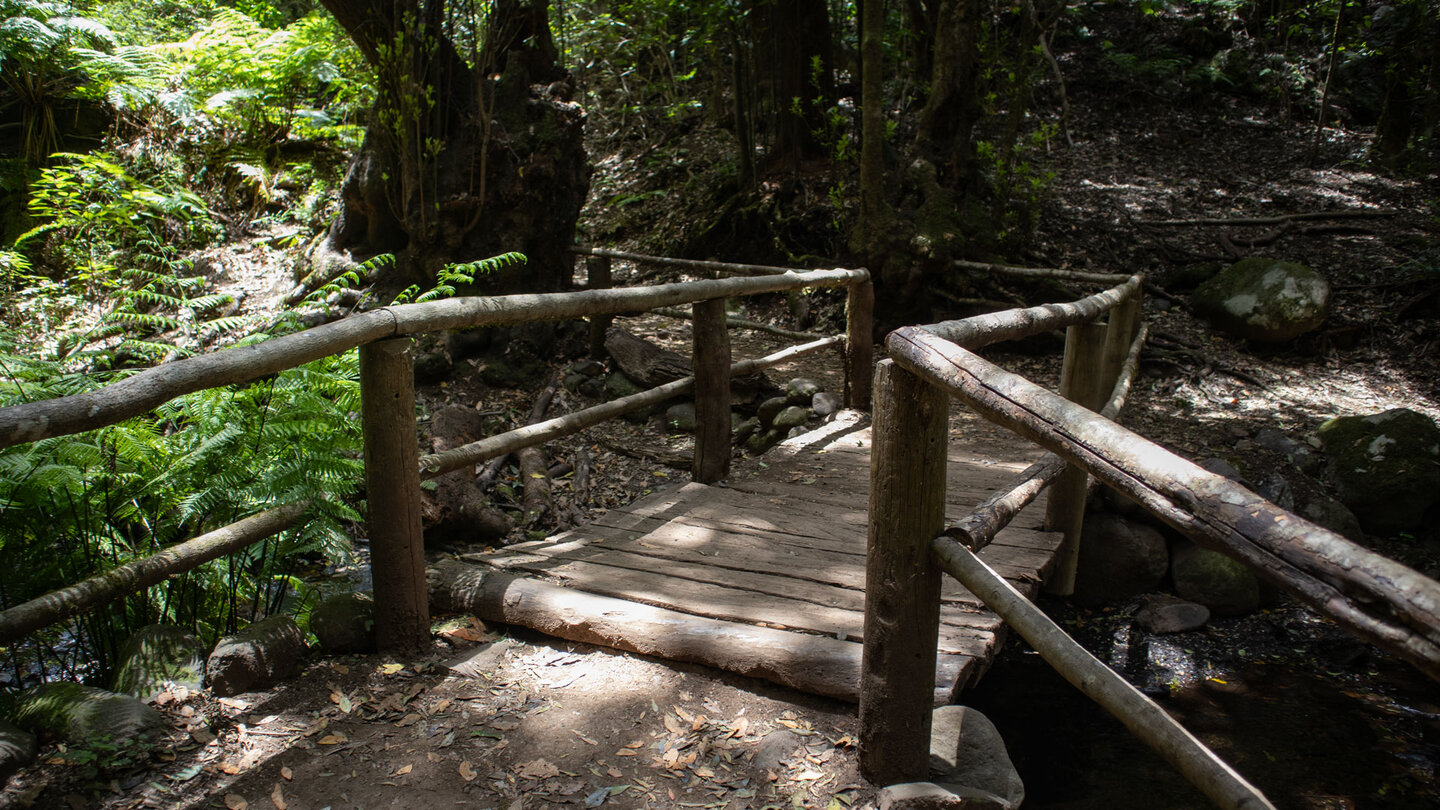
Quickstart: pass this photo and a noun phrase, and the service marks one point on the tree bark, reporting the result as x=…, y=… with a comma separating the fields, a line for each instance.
x=455, y=166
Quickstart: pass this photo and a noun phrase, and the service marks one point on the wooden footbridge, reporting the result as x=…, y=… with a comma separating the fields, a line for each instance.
x=763, y=572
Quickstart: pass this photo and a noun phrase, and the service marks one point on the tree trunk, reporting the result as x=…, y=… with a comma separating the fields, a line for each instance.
x=462, y=159
x=793, y=70
x=953, y=108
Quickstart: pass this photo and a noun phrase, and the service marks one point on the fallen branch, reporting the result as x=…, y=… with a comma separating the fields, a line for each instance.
x=537, y=501
x=741, y=323
x=1042, y=272
x=1261, y=221
x=674, y=459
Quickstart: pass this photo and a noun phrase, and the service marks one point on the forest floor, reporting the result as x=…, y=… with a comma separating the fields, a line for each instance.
x=500, y=717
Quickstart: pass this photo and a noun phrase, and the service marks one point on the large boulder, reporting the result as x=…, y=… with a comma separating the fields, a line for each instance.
x=158, y=656
x=1385, y=467
x=966, y=751
x=262, y=654
x=1119, y=559
x=345, y=623
x=1214, y=580
x=78, y=714
x=1264, y=300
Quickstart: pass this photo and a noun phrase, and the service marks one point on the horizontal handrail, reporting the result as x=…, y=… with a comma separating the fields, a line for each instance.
x=1374, y=597
x=1015, y=324
x=153, y=387
x=72, y=600
x=692, y=264
x=980, y=526
x=1041, y=272
x=437, y=464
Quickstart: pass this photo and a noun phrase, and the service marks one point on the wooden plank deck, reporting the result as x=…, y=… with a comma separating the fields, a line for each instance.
x=784, y=547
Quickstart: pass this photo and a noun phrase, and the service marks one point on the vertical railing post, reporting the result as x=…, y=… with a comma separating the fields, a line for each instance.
x=902, y=581
x=1081, y=379
x=1124, y=321
x=859, y=344
x=392, y=493
x=597, y=274
x=712, y=392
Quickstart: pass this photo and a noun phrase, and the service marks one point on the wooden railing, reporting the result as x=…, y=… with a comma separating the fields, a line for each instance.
x=909, y=546
x=393, y=465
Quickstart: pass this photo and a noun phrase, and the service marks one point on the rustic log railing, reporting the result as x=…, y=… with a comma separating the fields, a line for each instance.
x=393, y=465
x=1376, y=598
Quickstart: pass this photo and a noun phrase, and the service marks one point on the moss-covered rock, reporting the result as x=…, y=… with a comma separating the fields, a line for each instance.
x=75, y=713
x=258, y=656
x=345, y=624
x=1264, y=300
x=156, y=657
x=17, y=749
x=1385, y=467
x=1214, y=580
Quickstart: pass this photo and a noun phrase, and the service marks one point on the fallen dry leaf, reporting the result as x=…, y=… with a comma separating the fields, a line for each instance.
x=391, y=669
x=229, y=768
x=583, y=738
x=699, y=721
x=235, y=801
x=636, y=744
x=409, y=720
x=467, y=771
x=277, y=797
x=537, y=769
x=672, y=725
x=333, y=739
x=286, y=773
x=403, y=769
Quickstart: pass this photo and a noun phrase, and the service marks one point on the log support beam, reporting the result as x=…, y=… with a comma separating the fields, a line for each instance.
x=902, y=581
x=597, y=273
x=712, y=392
x=1081, y=381
x=859, y=344
x=392, y=492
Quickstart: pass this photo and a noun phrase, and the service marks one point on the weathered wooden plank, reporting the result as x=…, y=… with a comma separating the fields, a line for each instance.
x=718, y=601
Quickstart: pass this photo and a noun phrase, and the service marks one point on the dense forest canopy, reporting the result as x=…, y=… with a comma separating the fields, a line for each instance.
x=382, y=148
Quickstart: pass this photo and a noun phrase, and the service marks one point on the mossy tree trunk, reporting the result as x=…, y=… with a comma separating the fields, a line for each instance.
x=467, y=155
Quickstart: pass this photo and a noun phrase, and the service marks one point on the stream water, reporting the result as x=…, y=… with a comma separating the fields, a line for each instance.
x=1313, y=733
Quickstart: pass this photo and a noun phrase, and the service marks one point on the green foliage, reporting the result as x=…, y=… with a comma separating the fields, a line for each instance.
x=459, y=274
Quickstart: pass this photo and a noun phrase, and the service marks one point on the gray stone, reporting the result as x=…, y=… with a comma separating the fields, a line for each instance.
x=681, y=416
x=258, y=656
x=762, y=441
x=157, y=656
x=746, y=429
x=1119, y=559
x=772, y=750
x=825, y=403
x=1264, y=300
x=78, y=714
x=966, y=750
x=590, y=368
x=1166, y=614
x=18, y=749
x=800, y=391
x=574, y=381
x=1221, y=467
x=593, y=387
x=1214, y=580
x=930, y=796
x=617, y=385
x=1297, y=453
x=1385, y=467
x=793, y=416
x=796, y=432
x=769, y=409
x=345, y=623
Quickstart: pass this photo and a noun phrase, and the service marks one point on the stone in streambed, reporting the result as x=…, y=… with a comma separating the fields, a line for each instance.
x=260, y=655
